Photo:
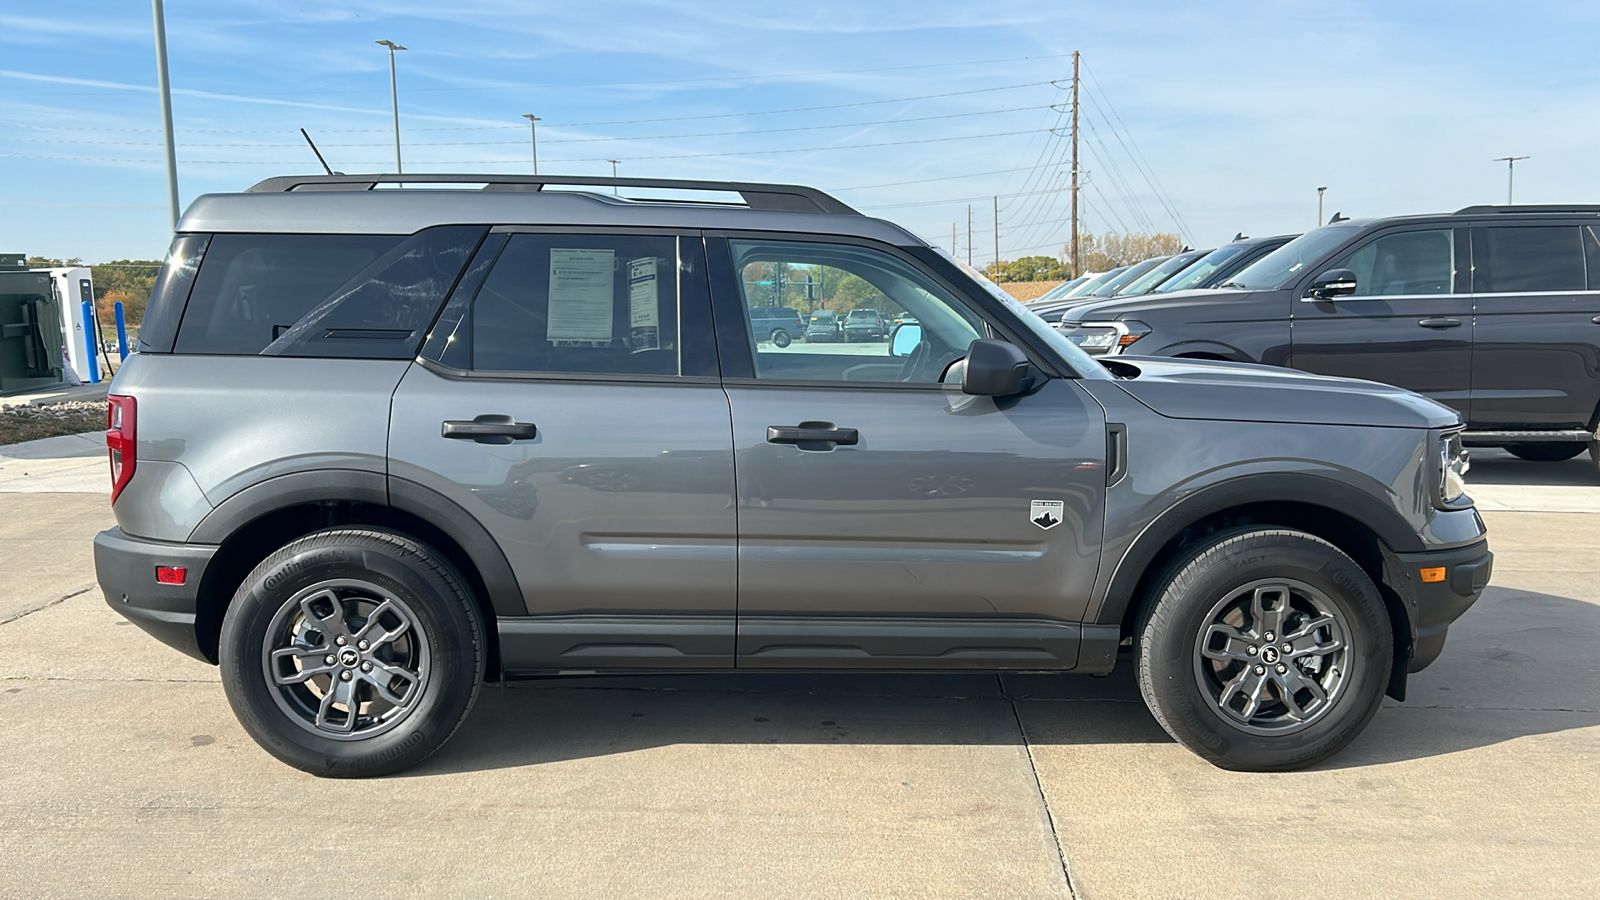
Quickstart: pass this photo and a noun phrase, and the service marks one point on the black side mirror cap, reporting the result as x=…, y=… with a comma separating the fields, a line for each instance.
x=1334, y=283
x=996, y=369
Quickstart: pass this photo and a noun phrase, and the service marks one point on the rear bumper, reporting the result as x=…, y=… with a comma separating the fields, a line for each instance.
x=126, y=569
x=1438, y=603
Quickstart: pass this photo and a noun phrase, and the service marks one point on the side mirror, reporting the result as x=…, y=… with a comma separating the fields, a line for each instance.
x=905, y=339
x=1334, y=283
x=996, y=369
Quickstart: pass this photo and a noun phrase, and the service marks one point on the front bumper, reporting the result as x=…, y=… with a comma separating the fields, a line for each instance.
x=126, y=569
x=1438, y=603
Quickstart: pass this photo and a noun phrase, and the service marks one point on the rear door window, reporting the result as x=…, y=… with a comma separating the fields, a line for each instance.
x=1541, y=258
x=580, y=304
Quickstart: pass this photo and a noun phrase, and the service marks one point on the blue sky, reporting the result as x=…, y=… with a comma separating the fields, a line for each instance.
x=1207, y=119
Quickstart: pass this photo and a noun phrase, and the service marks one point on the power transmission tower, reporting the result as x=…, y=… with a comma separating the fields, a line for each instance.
x=1511, y=173
x=1075, y=271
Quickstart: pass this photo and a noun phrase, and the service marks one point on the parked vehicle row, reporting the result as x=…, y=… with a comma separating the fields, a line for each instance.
x=379, y=447
x=1493, y=311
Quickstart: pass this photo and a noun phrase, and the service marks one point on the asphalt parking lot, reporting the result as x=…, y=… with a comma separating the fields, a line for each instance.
x=125, y=773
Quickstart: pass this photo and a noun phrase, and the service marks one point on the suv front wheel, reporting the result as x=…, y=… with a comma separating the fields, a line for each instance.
x=352, y=652
x=1265, y=650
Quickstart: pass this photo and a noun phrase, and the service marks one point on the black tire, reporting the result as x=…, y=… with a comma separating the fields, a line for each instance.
x=781, y=337
x=1187, y=690
x=1552, y=452
x=431, y=640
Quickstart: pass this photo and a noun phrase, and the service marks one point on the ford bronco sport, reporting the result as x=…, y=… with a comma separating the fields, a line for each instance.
x=379, y=446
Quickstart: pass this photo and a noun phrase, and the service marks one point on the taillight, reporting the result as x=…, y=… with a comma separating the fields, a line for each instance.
x=121, y=415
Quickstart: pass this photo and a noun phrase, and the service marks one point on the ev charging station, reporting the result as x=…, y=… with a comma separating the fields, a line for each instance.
x=48, y=336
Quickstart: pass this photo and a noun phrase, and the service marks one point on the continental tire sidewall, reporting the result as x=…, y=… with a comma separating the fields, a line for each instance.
x=433, y=590
x=1172, y=629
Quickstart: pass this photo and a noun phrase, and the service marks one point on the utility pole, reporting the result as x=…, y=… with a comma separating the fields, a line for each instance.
x=997, y=238
x=165, y=86
x=969, y=235
x=394, y=101
x=1320, y=191
x=614, y=174
x=533, y=134
x=1511, y=173
x=1075, y=271
x=953, y=247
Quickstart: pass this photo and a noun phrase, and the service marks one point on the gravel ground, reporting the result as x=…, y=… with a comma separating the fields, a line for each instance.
x=29, y=423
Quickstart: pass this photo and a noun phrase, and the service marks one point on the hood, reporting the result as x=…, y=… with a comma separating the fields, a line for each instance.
x=1107, y=309
x=1211, y=389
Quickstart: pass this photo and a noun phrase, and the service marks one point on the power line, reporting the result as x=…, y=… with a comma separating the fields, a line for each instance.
x=518, y=142
x=519, y=160
x=1147, y=170
x=736, y=115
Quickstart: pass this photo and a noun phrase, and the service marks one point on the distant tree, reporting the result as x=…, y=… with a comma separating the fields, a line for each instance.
x=45, y=262
x=132, y=280
x=1100, y=252
x=1031, y=268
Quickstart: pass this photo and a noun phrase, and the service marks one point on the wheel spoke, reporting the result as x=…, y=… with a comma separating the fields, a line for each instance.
x=1270, y=618
x=1233, y=644
x=384, y=676
x=313, y=661
x=1249, y=685
x=389, y=634
x=1305, y=642
x=334, y=624
x=1292, y=683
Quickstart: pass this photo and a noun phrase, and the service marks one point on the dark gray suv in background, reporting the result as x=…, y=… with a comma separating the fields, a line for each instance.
x=1493, y=311
x=380, y=446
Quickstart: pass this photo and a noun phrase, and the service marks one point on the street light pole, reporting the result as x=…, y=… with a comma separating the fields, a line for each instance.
x=1320, y=191
x=1511, y=173
x=533, y=134
x=394, y=101
x=613, y=173
x=165, y=86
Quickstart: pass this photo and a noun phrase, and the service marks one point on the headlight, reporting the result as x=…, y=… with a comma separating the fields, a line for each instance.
x=1101, y=341
x=1454, y=461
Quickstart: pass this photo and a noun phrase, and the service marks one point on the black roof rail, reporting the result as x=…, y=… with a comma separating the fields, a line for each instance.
x=1530, y=208
x=773, y=197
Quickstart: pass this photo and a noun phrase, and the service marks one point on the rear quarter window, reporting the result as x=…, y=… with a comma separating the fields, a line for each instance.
x=347, y=296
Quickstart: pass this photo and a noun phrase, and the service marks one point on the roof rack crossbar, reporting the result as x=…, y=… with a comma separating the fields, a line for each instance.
x=774, y=197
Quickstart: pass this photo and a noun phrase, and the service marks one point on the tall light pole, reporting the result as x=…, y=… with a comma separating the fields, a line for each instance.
x=394, y=101
x=1511, y=173
x=1320, y=192
x=533, y=134
x=613, y=173
x=165, y=86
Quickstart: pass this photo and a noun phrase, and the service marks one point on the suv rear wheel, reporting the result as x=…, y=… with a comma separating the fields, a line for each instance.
x=780, y=337
x=352, y=652
x=1265, y=650
x=1555, y=452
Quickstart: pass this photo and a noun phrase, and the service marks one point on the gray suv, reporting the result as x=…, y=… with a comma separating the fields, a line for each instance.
x=380, y=446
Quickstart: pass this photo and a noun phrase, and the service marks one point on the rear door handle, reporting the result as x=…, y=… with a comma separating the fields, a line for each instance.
x=812, y=435
x=490, y=429
x=1440, y=323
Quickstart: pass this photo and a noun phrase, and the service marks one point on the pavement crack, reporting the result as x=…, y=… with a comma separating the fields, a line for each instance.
x=1044, y=802
x=46, y=605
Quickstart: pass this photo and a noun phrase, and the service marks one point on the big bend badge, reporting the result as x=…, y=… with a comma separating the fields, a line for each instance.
x=1046, y=513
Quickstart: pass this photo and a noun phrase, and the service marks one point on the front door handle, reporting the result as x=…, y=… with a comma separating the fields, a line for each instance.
x=490, y=429
x=1444, y=322
x=812, y=435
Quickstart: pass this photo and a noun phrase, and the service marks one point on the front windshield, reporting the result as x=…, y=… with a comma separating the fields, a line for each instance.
x=1150, y=280
x=1134, y=271
x=1057, y=292
x=1202, y=269
x=1283, y=265
x=1082, y=363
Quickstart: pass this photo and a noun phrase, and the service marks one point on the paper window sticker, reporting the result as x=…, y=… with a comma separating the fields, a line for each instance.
x=582, y=285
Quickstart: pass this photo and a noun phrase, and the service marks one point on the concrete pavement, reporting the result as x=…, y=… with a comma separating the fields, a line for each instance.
x=126, y=773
